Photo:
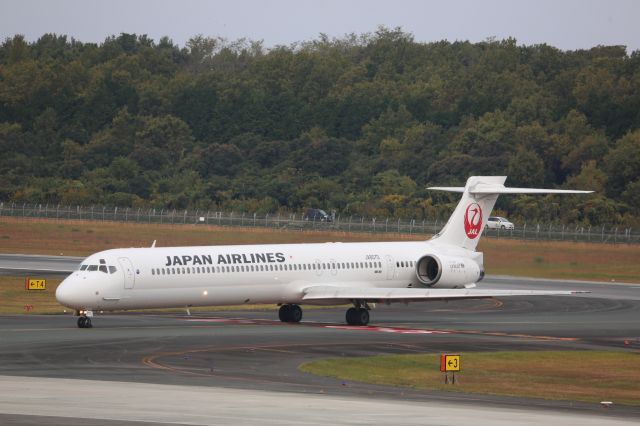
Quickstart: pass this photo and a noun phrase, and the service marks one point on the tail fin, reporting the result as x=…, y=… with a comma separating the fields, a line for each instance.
x=479, y=196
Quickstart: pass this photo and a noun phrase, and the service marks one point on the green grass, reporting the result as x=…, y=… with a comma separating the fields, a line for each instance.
x=590, y=376
x=15, y=299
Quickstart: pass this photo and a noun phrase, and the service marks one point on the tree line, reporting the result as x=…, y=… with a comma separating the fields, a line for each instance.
x=360, y=124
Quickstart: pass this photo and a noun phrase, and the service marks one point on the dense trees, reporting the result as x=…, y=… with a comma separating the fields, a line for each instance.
x=360, y=124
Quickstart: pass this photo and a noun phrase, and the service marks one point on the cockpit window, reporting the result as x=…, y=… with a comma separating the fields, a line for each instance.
x=83, y=267
x=103, y=268
x=112, y=269
x=92, y=268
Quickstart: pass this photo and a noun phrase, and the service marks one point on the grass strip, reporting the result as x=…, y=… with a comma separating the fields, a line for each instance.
x=542, y=259
x=589, y=376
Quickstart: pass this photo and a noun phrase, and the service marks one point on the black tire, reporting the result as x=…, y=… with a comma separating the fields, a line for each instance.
x=362, y=316
x=82, y=322
x=351, y=316
x=87, y=323
x=295, y=313
x=283, y=313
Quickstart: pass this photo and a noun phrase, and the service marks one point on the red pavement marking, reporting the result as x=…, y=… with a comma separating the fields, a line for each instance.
x=336, y=327
x=386, y=329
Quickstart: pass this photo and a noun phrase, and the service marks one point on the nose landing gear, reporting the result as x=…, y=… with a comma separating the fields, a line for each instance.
x=84, y=319
x=84, y=322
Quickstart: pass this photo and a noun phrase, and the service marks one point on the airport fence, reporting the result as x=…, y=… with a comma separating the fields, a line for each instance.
x=295, y=221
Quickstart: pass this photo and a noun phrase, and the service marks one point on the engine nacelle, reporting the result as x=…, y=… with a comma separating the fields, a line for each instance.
x=447, y=271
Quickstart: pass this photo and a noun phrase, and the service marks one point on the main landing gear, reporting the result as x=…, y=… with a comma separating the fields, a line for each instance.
x=290, y=313
x=84, y=320
x=359, y=314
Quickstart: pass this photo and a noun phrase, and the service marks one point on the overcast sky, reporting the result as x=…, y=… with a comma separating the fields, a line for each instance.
x=567, y=24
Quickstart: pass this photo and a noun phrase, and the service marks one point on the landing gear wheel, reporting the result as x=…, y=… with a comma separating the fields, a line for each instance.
x=295, y=313
x=357, y=316
x=351, y=316
x=84, y=322
x=283, y=313
x=290, y=313
x=363, y=316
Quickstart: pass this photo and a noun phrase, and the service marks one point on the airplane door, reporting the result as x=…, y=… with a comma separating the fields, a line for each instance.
x=390, y=267
x=127, y=269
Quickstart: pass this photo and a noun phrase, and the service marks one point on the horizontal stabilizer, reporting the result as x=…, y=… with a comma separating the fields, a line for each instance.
x=376, y=294
x=470, y=217
x=481, y=188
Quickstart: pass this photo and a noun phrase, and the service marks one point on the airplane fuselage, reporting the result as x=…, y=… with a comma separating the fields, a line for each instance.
x=231, y=275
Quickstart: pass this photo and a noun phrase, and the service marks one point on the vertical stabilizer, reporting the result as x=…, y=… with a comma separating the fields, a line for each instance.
x=479, y=196
x=470, y=216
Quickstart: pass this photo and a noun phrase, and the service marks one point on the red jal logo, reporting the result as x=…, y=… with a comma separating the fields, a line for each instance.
x=473, y=220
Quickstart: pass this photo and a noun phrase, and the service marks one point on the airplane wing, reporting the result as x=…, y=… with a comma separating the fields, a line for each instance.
x=381, y=295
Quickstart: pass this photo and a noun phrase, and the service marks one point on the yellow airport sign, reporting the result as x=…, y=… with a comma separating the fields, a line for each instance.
x=449, y=362
x=36, y=284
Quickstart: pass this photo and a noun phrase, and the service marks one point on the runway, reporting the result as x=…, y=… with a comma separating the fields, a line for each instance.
x=251, y=352
x=241, y=367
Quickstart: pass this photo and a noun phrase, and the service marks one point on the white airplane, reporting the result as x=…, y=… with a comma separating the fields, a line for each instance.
x=445, y=267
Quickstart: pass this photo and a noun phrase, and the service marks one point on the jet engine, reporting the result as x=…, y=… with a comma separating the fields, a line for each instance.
x=447, y=271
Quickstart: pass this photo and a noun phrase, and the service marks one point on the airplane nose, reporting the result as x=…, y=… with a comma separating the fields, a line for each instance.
x=65, y=294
